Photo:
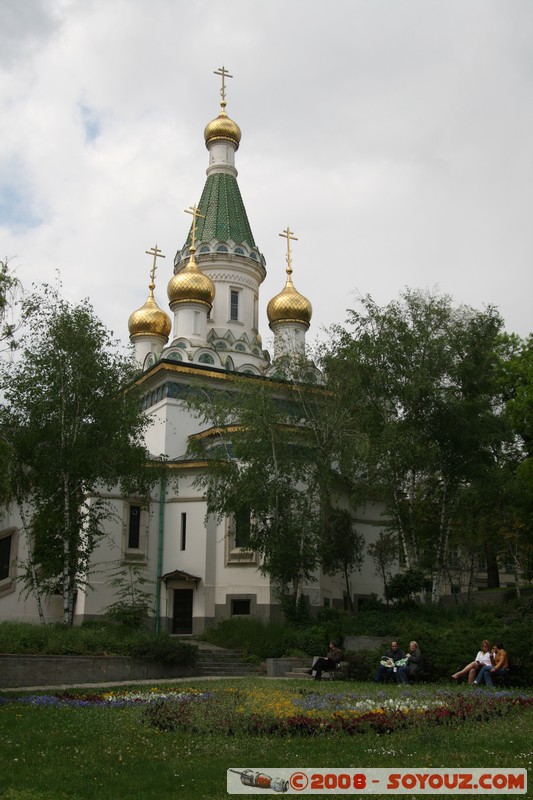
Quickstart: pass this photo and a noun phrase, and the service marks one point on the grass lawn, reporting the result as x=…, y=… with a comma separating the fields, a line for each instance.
x=110, y=752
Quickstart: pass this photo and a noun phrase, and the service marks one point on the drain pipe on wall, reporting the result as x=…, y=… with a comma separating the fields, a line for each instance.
x=160, y=541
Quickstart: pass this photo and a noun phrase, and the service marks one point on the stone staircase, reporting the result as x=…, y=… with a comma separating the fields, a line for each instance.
x=299, y=672
x=289, y=668
x=218, y=662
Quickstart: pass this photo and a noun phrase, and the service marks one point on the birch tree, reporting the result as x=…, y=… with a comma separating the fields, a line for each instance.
x=73, y=430
x=426, y=372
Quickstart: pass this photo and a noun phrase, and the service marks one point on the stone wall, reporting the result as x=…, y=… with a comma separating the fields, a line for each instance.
x=19, y=670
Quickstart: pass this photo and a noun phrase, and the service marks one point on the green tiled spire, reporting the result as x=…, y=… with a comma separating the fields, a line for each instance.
x=224, y=213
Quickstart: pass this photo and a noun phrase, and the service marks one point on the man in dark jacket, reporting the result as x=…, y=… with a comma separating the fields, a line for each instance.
x=389, y=658
x=329, y=662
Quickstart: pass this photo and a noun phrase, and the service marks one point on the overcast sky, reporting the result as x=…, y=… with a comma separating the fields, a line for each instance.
x=394, y=137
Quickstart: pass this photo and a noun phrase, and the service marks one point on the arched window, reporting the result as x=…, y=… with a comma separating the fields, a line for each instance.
x=206, y=358
x=149, y=361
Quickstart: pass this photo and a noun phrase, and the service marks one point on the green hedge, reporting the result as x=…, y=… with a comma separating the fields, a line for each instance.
x=253, y=638
x=95, y=639
x=451, y=637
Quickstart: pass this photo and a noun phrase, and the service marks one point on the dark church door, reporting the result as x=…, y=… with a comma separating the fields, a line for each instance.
x=182, y=616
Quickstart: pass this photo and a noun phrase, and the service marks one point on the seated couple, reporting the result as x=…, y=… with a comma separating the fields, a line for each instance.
x=487, y=664
x=395, y=664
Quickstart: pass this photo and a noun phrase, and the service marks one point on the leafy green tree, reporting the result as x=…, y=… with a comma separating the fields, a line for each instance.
x=384, y=552
x=507, y=494
x=516, y=368
x=133, y=597
x=259, y=466
x=73, y=429
x=405, y=584
x=425, y=373
x=10, y=292
x=342, y=547
x=10, y=295
x=276, y=455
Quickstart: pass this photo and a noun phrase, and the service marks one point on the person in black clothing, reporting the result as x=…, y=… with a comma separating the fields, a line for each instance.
x=329, y=662
x=394, y=654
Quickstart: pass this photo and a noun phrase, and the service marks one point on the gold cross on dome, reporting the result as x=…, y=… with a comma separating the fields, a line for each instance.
x=289, y=235
x=225, y=74
x=156, y=253
x=195, y=211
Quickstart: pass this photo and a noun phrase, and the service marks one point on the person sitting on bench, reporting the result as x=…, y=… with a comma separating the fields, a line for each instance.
x=329, y=662
x=499, y=666
x=413, y=666
x=386, y=667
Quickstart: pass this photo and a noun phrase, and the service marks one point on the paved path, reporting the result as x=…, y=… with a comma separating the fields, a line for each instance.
x=152, y=682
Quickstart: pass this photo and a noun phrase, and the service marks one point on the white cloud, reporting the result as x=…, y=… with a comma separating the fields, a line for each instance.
x=393, y=137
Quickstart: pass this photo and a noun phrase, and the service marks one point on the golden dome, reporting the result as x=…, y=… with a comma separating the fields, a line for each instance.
x=149, y=319
x=222, y=128
x=191, y=285
x=289, y=305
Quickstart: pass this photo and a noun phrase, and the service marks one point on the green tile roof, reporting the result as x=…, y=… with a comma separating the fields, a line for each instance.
x=224, y=213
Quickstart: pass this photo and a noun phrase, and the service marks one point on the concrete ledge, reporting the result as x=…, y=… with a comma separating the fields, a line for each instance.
x=40, y=670
x=277, y=667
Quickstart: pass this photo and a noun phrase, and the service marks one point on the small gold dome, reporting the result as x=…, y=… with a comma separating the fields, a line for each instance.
x=191, y=285
x=150, y=319
x=222, y=128
x=289, y=305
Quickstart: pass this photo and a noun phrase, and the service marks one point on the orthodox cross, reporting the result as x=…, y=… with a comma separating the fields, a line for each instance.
x=195, y=211
x=225, y=74
x=156, y=253
x=288, y=234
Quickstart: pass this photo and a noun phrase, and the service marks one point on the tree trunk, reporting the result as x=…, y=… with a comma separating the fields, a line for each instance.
x=68, y=593
x=33, y=573
x=446, y=511
x=516, y=570
x=348, y=589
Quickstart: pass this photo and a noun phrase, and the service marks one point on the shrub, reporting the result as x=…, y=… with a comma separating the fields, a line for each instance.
x=164, y=649
x=101, y=638
x=450, y=636
x=132, y=617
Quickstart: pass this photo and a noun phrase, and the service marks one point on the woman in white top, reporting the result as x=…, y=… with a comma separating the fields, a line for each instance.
x=483, y=659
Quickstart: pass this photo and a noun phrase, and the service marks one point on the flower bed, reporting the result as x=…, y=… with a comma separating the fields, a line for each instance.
x=268, y=710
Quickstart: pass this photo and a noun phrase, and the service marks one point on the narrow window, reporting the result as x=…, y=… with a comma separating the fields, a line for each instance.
x=5, y=557
x=196, y=323
x=134, y=528
x=242, y=528
x=234, y=305
x=183, y=535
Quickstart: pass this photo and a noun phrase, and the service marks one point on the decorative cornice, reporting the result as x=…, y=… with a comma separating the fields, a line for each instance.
x=232, y=277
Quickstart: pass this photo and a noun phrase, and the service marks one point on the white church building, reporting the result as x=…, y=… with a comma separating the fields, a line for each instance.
x=198, y=573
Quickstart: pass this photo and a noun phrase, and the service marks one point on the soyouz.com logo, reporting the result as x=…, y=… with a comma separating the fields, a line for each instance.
x=241, y=780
